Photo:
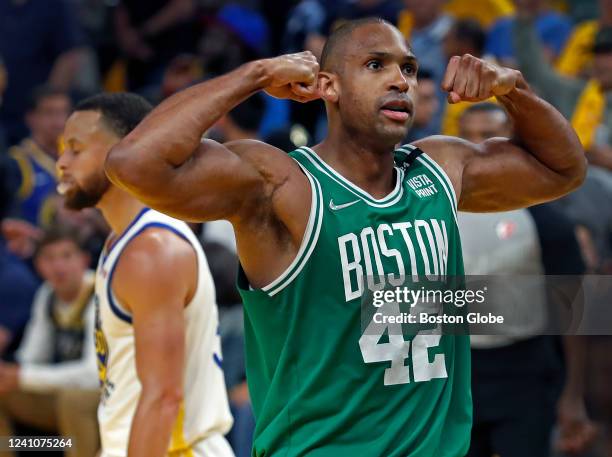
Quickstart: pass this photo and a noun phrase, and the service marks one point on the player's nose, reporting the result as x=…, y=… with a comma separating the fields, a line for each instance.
x=63, y=160
x=398, y=81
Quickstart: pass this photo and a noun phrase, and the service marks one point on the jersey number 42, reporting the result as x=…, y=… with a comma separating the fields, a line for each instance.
x=398, y=350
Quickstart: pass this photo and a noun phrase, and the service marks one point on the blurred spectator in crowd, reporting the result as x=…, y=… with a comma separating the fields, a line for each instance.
x=425, y=25
x=466, y=36
x=232, y=37
x=482, y=121
x=17, y=282
x=150, y=33
x=181, y=72
x=40, y=43
x=348, y=10
x=517, y=379
x=54, y=385
x=581, y=10
x=486, y=13
x=426, y=105
x=588, y=103
x=588, y=208
x=552, y=27
x=235, y=35
x=577, y=57
x=224, y=269
x=305, y=27
x=35, y=156
x=585, y=102
x=242, y=122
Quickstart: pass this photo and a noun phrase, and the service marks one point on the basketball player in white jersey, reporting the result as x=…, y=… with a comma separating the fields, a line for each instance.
x=163, y=389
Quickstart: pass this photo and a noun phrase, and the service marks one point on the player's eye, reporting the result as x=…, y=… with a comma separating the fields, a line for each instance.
x=409, y=69
x=374, y=65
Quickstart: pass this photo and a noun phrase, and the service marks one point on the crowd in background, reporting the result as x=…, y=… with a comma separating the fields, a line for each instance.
x=540, y=394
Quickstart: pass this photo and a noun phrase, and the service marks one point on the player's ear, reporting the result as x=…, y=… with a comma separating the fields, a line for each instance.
x=328, y=87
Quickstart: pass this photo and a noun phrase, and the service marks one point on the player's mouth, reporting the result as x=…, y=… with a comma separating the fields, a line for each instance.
x=397, y=110
x=64, y=186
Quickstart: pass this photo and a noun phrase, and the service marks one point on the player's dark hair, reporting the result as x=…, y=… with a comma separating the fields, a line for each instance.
x=471, y=31
x=57, y=233
x=40, y=93
x=121, y=111
x=340, y=35
x=249, y=113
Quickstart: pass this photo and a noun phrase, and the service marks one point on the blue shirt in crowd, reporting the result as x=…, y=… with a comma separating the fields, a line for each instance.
x=17, y=288
x=553, y=29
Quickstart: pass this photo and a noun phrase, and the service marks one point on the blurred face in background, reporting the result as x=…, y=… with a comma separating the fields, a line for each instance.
x=62, y=264
x=478, y=126
x=602, y=69
x=47, y=120
x=424, y=12
x=427, y=102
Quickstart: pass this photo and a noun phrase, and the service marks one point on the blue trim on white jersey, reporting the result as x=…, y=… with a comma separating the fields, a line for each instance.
x=116, y=309
x=108, y=249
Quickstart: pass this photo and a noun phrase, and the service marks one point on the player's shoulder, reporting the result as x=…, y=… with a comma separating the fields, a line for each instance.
x=445, y=149
x=156, y=252
x=270, y=161
x=450, y=153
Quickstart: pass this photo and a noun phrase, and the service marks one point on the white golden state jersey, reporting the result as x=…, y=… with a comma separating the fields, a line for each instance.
x=204, y=416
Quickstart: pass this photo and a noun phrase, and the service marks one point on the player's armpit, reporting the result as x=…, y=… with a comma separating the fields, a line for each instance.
x=155, y=278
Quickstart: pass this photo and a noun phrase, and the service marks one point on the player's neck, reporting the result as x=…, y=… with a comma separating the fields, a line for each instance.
x=119, y=209
x=364, y=165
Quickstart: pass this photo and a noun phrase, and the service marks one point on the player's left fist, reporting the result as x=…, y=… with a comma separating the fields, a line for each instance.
x=471, y=79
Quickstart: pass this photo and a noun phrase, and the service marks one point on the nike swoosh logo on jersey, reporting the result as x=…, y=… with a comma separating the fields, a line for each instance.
x=334, y=207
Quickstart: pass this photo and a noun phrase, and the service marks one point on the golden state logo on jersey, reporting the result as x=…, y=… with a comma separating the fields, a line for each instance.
x=101, y=346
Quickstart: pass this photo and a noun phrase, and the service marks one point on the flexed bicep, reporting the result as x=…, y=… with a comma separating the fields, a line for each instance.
x=500, y=175
x=213, y=183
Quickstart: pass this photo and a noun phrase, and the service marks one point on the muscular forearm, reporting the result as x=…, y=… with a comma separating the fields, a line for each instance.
x=152, y=425
x=546, y=134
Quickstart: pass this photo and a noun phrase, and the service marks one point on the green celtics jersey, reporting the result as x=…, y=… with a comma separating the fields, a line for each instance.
x=321, y=385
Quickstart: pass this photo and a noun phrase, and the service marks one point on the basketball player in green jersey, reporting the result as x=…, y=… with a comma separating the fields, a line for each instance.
x=318, y=227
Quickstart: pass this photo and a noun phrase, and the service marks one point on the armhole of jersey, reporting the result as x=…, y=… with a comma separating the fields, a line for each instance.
x=309, y=240
x=441, y=175
x=115, y=306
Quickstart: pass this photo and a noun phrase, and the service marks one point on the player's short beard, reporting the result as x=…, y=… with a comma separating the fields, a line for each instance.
x=86, y=198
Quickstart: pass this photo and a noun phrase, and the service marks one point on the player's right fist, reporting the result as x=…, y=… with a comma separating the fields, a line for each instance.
x=293, y=76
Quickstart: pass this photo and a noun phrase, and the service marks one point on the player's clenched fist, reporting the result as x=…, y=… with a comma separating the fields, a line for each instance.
x=471, y=79
x=293, y=76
